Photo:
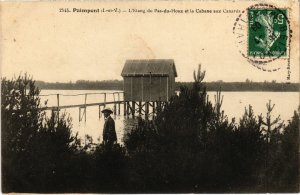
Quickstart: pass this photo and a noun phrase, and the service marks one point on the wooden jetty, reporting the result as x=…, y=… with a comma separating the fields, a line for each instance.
x=116, y=102
x=148, y=85
x=131, y=108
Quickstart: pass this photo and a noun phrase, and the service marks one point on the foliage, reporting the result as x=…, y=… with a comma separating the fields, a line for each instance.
x=283, y=158
x=289, y=178
x=190, y=147
x=248, y=150
x=35, y=149
x=172, y=153
x=110, y=168
x=20, y=120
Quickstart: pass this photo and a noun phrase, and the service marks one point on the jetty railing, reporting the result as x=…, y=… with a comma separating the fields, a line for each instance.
x=113, y=98
x=108, y=98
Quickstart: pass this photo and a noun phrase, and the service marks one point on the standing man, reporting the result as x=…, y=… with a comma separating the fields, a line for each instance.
x=109, y=131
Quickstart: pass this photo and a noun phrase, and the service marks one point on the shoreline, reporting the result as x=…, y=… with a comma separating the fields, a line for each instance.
x=210, y=86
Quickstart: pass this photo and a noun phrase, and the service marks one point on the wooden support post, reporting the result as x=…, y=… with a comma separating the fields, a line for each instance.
x=57, y=101
x=104, y=99
x=119, y=104
x=153, y=107
x=140, y=107
x=84, y=114
x=128, y=108
x=79, y=114
x=57, y=106
x=115, y=107
x=99, y=111
x=146, y=109
x=159, y=104
x=85, y=97
x=125, y=111
x=133, y=108
x=158, y=107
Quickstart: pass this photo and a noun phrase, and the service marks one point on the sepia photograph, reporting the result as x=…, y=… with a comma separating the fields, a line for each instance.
x=159, y=97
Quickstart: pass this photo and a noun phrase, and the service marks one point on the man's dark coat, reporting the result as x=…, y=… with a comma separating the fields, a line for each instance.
x=109, y=131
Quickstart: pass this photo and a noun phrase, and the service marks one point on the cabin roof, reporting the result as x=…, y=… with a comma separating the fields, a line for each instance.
x=155, y=67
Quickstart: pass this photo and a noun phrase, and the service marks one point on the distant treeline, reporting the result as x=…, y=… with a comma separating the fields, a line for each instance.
x=83, y=85
x=249, y=86
x=211, y=86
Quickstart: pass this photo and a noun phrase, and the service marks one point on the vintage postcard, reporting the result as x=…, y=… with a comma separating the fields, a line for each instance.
x=150, y=96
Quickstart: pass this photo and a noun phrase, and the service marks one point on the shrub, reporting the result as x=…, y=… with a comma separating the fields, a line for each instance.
x=110, y=169
x=191, y=146
x=20, y=121
x=35, y=149
x=175, y=152
x=284, y=166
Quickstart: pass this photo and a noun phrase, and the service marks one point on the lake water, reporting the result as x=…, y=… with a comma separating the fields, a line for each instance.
x=234, y=104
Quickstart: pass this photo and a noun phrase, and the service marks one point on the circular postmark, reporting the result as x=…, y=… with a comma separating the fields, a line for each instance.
x=263, y=35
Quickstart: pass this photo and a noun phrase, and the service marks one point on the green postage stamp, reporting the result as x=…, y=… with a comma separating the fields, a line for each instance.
x=267, y=32
x=264, y=35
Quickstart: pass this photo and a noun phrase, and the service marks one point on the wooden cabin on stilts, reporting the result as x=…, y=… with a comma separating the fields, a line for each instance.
x=148, y=85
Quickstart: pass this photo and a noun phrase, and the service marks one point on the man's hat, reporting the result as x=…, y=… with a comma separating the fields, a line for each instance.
x=107, y=109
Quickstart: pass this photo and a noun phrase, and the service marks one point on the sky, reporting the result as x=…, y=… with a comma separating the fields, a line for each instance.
x=60, y=47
